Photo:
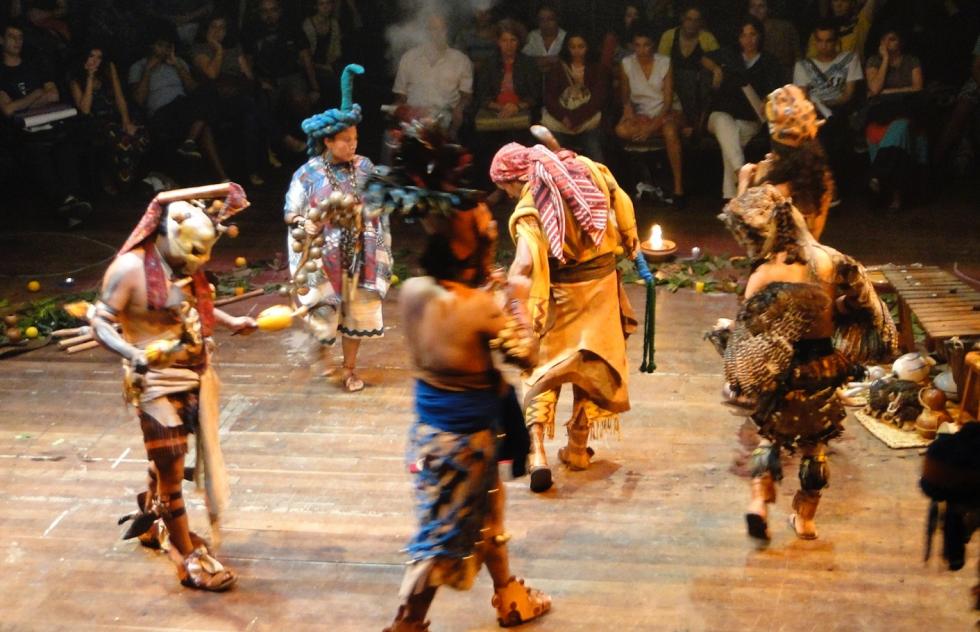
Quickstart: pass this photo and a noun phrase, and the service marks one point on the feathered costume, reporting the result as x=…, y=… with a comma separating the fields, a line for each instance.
x=774, y=361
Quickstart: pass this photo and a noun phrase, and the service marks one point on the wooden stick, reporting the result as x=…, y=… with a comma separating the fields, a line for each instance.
x=74, y=331
x=71, y=342
x=92, y=344
x=206, y=191
x=241, y=297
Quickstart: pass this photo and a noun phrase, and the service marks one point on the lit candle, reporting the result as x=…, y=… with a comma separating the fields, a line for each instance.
x=656, y=238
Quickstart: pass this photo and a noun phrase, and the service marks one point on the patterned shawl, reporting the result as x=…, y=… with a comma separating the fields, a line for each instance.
x=555, y=180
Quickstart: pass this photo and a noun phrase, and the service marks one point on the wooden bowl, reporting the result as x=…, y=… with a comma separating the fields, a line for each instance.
x=658, y=256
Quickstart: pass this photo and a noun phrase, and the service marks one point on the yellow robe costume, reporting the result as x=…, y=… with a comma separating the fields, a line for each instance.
x=579, y=308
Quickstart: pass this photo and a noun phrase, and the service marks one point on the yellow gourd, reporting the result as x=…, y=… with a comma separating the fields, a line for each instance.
x=275, y=318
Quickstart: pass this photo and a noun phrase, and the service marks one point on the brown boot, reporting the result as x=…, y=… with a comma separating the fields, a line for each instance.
x=577, y=454
x=538, y=462
x=401, y=624
x=756, y=516
x=805, y=508
x=517, y=604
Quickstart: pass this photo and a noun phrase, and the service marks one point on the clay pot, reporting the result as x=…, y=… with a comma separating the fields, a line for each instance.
x=932, y=398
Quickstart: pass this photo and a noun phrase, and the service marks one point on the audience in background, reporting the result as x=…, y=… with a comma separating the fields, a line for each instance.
x=616, y=43
x=544, y=43
x=433, y=80
x=116, y=142
x=896, y=144
x=183, y=15
x=830, y=78
x=508, y=86
x=853, y=25
x=325, y=38
x=161, y=84
x=782, y=41
x=255, y=89
x=734, y=119
x=477, y=38
x=279, y=55
x=50, y=156
x=688, y=46
x=649, y=110
x=575, y=95
x=960, y=120
x=227, y=81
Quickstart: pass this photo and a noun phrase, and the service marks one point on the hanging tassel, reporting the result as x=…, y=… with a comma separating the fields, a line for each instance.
x=648, y=365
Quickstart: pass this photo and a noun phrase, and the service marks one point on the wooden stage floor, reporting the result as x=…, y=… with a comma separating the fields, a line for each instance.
x=651, y=538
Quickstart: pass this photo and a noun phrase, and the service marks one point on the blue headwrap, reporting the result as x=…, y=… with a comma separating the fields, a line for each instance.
x=320, y=126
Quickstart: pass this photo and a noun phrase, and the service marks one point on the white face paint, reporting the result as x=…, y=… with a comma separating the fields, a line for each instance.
x=190, y=236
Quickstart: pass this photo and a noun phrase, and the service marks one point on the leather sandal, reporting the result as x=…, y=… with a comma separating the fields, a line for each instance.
x=517, y=603
x=201, y=571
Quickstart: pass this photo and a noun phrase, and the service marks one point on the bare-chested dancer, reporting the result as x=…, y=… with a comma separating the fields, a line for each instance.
x=452, y=322
x=156, y=293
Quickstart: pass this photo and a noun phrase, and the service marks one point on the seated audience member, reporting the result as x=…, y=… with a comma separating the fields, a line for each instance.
x=433, y=80
x=161, y=83
x=781, y=37
x=508, y=86
x=98, y=95
x=647, y=92
x=50, y=157
x=853, y=25
x=477, y=39
x=734, y=119
x=545, y=42
x=830, y=79
x=616, y=43
x=279, y=55
x=325, y=37
x=963, y=110
x=183, y=15
x=896, y=145
x=688, y=46
x=506, y=98
x=226, y=79
x=574, y=97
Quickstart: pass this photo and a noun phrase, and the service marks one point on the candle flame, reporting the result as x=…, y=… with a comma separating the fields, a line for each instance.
x=656, y=238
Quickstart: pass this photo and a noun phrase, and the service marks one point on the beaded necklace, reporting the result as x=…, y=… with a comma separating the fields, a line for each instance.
x=336, y=185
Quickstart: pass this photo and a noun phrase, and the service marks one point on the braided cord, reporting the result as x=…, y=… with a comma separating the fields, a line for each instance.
x=649, y=322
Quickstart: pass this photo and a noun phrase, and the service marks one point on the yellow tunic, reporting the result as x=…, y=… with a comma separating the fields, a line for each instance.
x=583, y=324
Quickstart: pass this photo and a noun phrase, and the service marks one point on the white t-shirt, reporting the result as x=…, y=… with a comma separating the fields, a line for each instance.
x=647, y=94
x=535, y=44
x=826, y=79
x=430, y=79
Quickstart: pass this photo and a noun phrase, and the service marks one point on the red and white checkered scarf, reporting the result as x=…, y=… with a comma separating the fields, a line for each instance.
x=555, y=178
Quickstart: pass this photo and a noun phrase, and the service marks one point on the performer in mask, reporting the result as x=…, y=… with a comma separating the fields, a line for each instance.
x=797, y=164
x=156, y=293
x=810, y=315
